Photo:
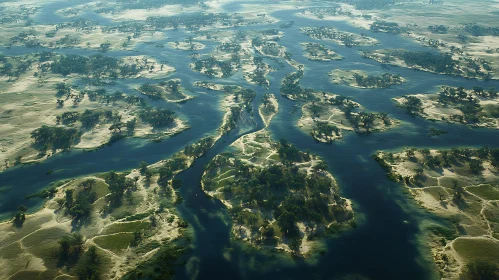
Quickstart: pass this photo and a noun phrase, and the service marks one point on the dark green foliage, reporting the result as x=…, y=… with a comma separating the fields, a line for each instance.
x=88, y=267
x=289, y=153
x=70, y=64
x=438, y=62
x=291, y=88
x=20, y=216
x=384, y=81
x=192, y=21
x=327, y=129
x=494, y=158
x=143, y=167
x=436, y=132
x=47, y=193
x=176, y=183
x=161, y=266
x=290, y=194
x=476, y=166
x=55, y=137
x=151, y=91
x=448, y=234
x=118, y=184
x=413, y=105
x=482, y=270
x=438, y=29
x=384, y=26
x=157, y=117
x=71, y=247
x=81, y=206
x=479, y=30
x=199, y=148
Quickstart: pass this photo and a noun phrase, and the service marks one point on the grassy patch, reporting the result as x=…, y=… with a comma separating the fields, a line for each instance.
x=471, y=249
x=23, y=275
x=11, y=251
x=101, y=189
x=447, y=233
x=448, y=182
x=48, y=252
x=44, y=236
x=435, y=192
x=126, y=227
x=115, y=243
x=485, y=192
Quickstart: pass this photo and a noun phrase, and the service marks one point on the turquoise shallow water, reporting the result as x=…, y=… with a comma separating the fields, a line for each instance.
x=384, y=246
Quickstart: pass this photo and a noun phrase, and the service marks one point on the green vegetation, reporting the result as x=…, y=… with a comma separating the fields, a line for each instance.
x=116, y=242
x=479, y=30
x=46, y=193
x=488, y=192
x=317, y=51
x=387, y=27
x=438, y=29
x=384, y=81
x=135, y=226
x=413, y=105
x=79, y=203
x=161, y=266
x=344, y=38
x=482, y=270
x=458, y=105
x=88, y=267
x=157, y=117
x=168, y=90
x=282, y=190
x=435, y=62
x=475, y=249
x=118, y=185
x=71, y=246
x=52, y=137
x=20, y=216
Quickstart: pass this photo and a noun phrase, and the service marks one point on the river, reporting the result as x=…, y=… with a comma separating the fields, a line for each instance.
x=384, y=245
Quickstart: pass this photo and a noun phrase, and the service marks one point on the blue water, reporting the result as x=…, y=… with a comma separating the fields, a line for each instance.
x=384, y=246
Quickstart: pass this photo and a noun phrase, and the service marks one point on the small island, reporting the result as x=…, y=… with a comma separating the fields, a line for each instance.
x=170, y=91
x=318, y=52
x=325, y=115
x=278, y=197
x=461, y=186
x=477, y=107
x=340, y=37
x=236, y=104
x=361, y=79
x=433, y=62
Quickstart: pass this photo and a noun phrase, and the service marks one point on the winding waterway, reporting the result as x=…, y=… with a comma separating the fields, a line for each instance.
x=385, y=243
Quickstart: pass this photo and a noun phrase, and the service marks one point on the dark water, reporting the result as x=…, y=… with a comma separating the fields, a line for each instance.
x=384, y=246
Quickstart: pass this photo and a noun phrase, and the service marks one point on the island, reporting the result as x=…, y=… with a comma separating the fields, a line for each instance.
x=459, y=185
x=319, y=52
x=477, y=107
x=361, y=79
x=278, y=197
x=347, y=39
x=325, y=115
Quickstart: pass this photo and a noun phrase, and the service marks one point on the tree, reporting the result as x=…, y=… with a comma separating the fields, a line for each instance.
x=482, y=270
x=20, y=216
x=88, y=267
x=476, y=166
x=70, y=247
x=176, y=183
x=143, y=167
